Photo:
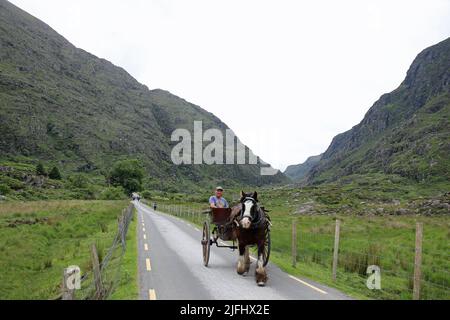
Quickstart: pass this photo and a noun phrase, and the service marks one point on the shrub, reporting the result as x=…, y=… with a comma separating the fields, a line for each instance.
x=40, y=170
x=4, y=189
x=12, y=183
x=54, y=174
x=146, y=194
x=112, y=193
x=79, y=181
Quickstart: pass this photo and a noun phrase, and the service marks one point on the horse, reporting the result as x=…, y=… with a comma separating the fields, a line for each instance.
x=250, y=229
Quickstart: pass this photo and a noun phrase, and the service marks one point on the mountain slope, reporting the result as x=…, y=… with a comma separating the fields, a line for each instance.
x=61, y=104
x=299, y=171
x=406, y=132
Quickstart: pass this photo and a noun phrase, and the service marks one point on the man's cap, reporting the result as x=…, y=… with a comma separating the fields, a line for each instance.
x=219, y=189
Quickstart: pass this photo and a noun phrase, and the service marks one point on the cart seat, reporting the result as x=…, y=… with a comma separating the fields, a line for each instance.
x=220, y=215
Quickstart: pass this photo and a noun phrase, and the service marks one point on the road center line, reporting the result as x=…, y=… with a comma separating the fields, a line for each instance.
x=146, y=247
x=143, y=229
x=145, y=237
x=307, y=284
x=148, y=264
x=151, y=294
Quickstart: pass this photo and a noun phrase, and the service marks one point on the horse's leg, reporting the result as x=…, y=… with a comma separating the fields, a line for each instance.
x=260, y=273
x=241, y=261
x=247, y=259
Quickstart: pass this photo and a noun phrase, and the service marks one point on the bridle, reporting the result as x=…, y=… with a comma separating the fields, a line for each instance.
x=256, y=218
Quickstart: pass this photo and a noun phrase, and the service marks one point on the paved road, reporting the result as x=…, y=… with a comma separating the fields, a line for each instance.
x=171, y=267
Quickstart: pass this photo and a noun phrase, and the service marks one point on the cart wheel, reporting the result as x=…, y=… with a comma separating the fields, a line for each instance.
x=267, y=244
x=206, y=243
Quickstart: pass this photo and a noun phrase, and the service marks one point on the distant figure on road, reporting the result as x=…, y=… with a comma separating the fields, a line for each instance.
x=135, y=196
x=154, y=206
x=217, y=201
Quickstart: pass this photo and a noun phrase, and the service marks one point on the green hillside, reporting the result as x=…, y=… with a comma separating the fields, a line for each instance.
x=67, y=108
x=299, y=171
x=406, y=133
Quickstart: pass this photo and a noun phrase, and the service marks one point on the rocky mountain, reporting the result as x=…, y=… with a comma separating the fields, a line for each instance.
x=65, y=106
x=299, y=171
x=405, y=133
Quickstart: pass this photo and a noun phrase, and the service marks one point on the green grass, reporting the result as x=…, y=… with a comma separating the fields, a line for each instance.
x=384, y=241
x=39, y=239
x=128, y=287
x=374, y=230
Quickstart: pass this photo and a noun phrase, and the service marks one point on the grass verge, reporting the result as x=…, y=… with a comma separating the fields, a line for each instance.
x=39, y=239
x=128, y=286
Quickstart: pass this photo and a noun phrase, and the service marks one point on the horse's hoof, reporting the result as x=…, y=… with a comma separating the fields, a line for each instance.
x=241, y=273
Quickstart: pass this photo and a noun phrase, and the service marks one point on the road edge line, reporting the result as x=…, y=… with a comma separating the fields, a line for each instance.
x=307, y=284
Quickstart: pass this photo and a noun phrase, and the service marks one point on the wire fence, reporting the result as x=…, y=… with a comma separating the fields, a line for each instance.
x=195, y=214
x=369, y=265
x=104, y=272
x=378, y=267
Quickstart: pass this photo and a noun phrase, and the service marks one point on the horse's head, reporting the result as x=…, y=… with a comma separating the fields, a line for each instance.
x=249, y=209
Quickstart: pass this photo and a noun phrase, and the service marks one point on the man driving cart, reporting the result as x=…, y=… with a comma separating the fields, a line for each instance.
x=217, y=200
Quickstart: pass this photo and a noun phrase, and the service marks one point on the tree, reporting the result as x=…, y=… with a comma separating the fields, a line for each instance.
x=40, y=170
x=128, y=174
x=55, y=174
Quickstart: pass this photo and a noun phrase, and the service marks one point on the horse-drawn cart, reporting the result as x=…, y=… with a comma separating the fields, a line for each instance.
x=224, y=228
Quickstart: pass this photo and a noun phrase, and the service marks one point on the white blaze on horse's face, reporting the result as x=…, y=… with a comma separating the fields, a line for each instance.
x=247, y=216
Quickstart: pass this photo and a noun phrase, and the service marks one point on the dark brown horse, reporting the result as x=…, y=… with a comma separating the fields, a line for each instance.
x=251, y=224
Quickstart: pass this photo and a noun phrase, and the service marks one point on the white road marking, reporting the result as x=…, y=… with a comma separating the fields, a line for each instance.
x=148, y=264
x=146, y=247
x=151, y=294
x=145, y=237
x=307, y=284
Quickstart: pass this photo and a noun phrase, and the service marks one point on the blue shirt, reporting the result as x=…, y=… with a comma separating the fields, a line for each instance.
x=219, y=203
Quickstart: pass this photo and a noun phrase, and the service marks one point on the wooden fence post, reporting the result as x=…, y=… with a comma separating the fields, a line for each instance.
x=336, y=248
x=123, y=229
x=120, y=223
x=67, y=294
x=418, y=261
x=294, y=243
x=97, y=274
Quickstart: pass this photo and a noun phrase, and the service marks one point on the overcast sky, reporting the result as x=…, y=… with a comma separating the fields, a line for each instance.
x=301, y=71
